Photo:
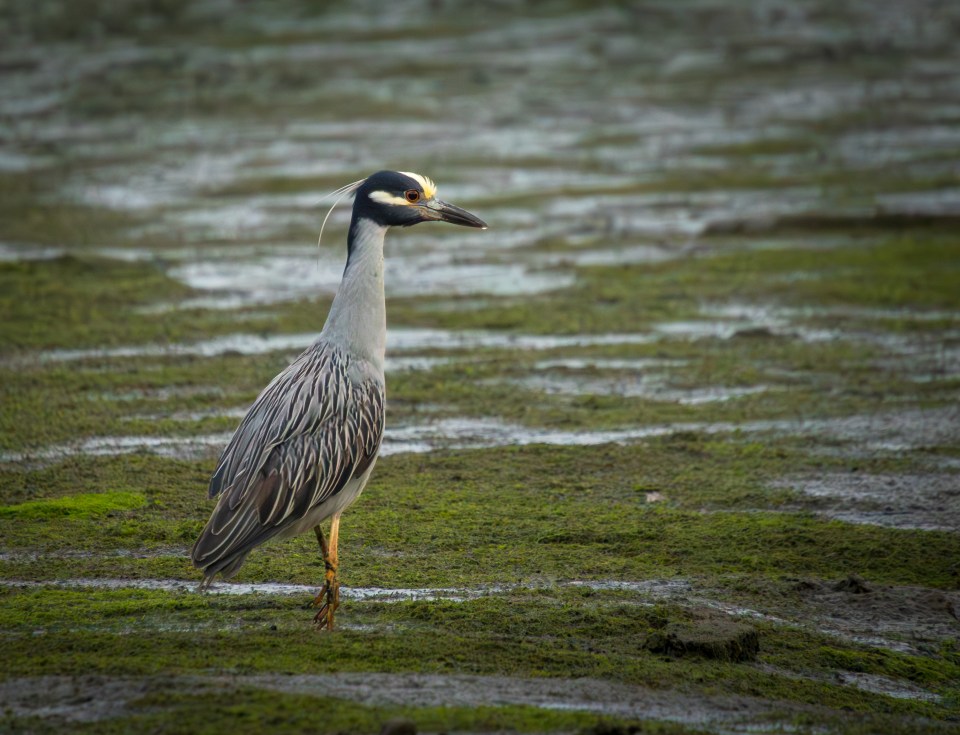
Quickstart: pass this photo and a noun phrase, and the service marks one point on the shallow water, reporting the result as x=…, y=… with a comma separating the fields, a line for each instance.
x=376, y=594
x=398, y=340
x=642, y=385
x=270, y=278
x=864, y=435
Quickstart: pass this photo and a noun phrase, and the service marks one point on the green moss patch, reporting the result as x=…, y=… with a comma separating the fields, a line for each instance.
x=552, y=633
x=504, y=515
x=29, y=215
x=87, y=505
x=913, y=270
x=71, y=300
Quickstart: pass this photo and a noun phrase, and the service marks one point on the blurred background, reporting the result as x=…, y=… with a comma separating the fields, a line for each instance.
x=584, y=132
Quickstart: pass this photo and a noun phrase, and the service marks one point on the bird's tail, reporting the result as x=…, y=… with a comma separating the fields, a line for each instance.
x=225, y=566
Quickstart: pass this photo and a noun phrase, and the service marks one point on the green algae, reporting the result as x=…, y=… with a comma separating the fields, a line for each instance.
x=29, y=215
x=910, y=271
x=81, y=300
x=84, y=505
x=56, y=403
x=763, y=147
x=547, y=512
x=92, y=20
x=71, y=300
x=560, y=633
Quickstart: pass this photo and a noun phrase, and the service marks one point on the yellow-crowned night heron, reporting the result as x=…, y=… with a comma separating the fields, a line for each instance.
x=307, y=446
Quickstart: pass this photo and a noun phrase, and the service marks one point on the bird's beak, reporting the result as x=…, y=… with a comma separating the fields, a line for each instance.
x=437, y=210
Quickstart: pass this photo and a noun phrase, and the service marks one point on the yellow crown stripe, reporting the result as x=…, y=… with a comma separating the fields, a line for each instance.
x=429, y=188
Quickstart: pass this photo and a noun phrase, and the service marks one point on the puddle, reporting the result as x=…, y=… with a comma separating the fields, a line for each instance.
x=651, y=590
x=10, y=253
x=679, y=591
x=160, y=394
x=254, y=344
x=461, y=433
x=79, y=700
x=866, y=434
x=935, y=203
x=398, y=340
x=693, y=330
x=414, y=363
x=401, y=339
x=241, y=344
x=610, y=256
x=440, y=434
x=180, y=447
x=927, y=354
x=777, y=314
x=237, y=413
x=893, y=431
x=873, y=683
x=373, y=594
x=296, y=274
x=886, y=686
x=711, y=394
x=686, y=214
x=603, y=363
x=409, y=340
x=650, y=386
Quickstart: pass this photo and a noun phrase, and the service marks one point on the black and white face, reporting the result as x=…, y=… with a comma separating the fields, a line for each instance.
x=403, y=198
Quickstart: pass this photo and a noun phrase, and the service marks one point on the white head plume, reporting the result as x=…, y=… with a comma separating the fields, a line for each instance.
x=339, y=194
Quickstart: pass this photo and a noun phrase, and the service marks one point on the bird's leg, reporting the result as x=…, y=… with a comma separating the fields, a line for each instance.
x=328, y=599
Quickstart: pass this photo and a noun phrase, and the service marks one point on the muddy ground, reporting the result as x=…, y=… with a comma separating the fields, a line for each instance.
x=673, y=446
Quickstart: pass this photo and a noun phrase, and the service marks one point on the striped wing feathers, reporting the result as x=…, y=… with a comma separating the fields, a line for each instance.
x=314, y=428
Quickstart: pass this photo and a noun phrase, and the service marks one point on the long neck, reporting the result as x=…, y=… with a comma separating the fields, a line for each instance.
x=358, y=317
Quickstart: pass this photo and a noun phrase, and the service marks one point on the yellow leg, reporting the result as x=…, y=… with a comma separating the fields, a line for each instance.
x=328, y=599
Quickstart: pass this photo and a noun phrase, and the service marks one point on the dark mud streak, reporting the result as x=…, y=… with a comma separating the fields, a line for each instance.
x=95, y=699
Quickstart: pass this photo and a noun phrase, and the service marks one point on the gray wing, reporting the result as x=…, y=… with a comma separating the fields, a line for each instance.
x=314, y=428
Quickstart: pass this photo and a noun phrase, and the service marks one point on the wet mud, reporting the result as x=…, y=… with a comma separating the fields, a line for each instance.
x=93, y=699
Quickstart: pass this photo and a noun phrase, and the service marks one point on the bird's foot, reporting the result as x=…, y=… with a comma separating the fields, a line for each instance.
x=328, y=600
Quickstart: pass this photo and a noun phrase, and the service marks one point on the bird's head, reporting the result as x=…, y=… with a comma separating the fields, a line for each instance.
x=403, y=198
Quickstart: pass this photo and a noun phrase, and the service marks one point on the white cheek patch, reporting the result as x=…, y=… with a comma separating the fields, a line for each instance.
x=429, y=188
x=385, y=197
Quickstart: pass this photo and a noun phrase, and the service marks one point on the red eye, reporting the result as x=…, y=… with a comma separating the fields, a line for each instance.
x=412, y=195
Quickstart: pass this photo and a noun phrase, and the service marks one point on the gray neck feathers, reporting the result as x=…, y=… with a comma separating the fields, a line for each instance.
x=358, y=317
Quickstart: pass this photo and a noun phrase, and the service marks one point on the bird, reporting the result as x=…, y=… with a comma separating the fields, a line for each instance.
x=305, y=449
